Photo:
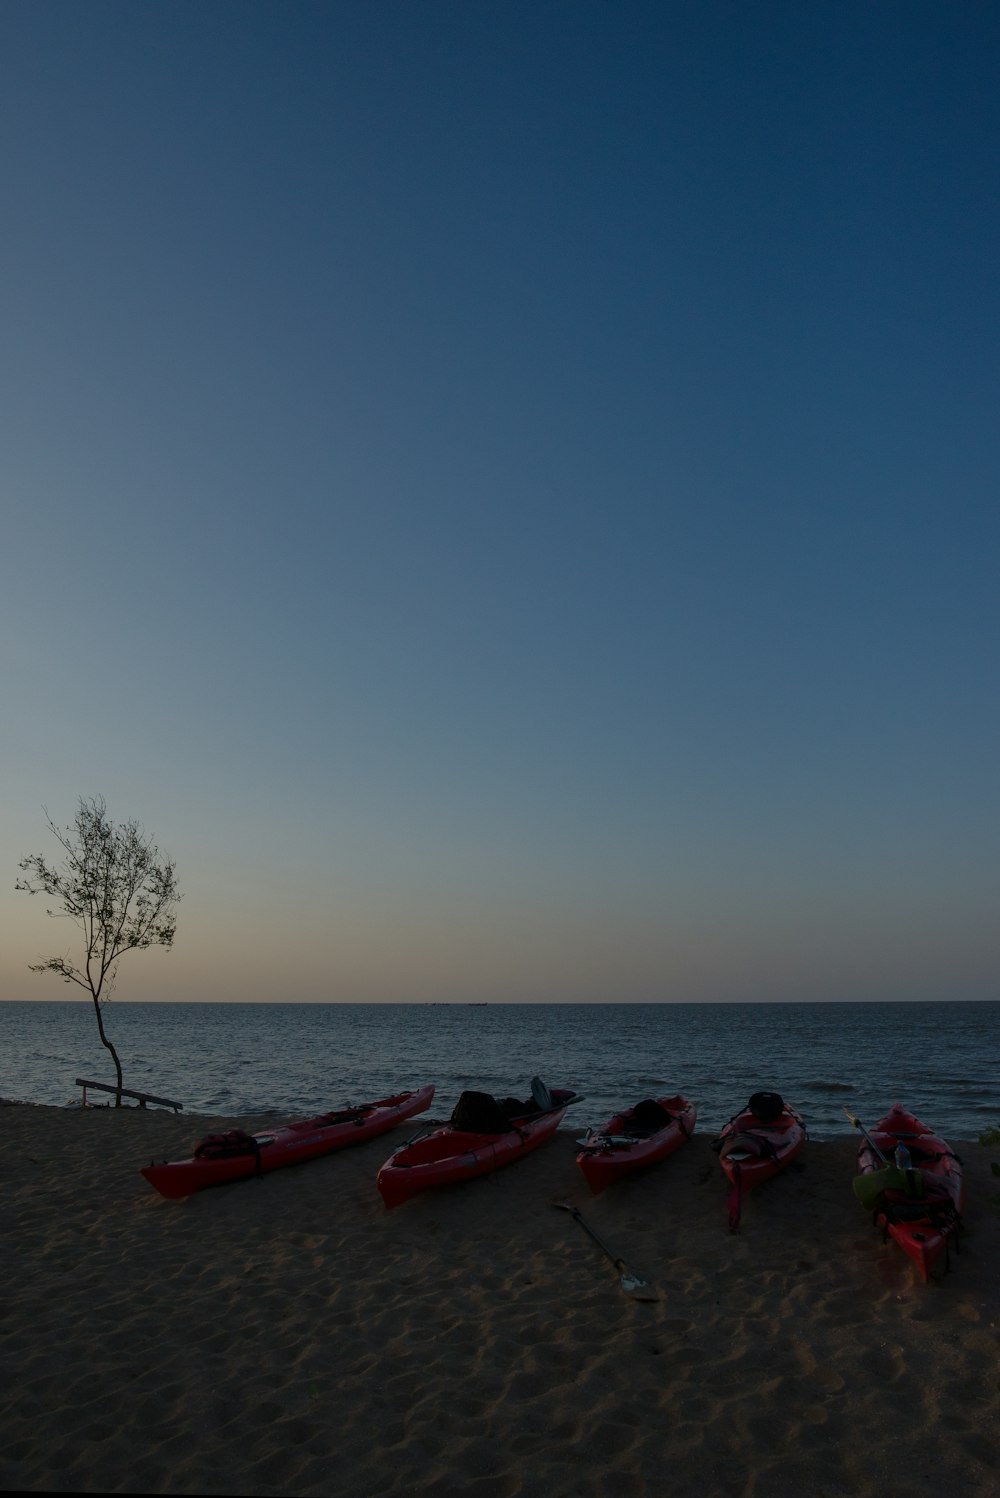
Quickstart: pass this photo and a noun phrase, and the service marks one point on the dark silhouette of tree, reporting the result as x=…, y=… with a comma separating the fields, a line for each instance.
x=116, y=886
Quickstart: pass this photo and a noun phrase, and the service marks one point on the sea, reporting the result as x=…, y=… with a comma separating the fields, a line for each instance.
x=942, y=1060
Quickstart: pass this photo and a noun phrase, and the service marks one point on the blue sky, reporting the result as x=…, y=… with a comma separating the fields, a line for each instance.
x=507, y=493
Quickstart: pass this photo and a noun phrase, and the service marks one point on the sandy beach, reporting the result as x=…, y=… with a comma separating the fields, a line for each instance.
x=288, y=1335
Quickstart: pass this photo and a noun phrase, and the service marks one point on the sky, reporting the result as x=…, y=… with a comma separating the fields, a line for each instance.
x=506, y=493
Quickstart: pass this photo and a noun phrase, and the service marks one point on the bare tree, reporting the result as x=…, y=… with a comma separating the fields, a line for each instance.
x=117, y=887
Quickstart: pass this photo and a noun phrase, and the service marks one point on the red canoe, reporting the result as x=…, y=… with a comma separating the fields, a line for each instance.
x=923, y=1224
x=234, y=1156
x=635, y=1138
x=756, y=1144
x=451, y=1154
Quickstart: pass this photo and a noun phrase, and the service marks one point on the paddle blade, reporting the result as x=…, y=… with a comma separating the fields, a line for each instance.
x=637, y=1288
x=541, y=1094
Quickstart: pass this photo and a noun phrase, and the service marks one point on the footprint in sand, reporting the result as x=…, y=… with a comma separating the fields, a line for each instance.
x=829, y=1379
x=883, y=1363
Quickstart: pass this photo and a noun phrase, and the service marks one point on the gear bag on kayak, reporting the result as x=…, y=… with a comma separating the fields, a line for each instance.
x=766, y=1107
x=871, y=1188
x=479, y=1113
x=649, y=1116
x=224, y=1146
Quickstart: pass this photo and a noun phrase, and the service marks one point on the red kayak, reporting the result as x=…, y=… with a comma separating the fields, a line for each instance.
x=235, y=1155
x=483, y=1135
x=635, y=1138
x=917, y=1205
x=756, y=1144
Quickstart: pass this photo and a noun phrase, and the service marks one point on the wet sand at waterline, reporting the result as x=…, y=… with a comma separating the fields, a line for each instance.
x=288, y=1335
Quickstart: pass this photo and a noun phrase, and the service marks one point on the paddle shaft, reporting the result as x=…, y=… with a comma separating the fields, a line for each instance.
x=865, y=1135
x=632, y=1284
x=618, y=1263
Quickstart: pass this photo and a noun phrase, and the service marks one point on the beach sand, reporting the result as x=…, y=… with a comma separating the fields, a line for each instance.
x=288, y=1335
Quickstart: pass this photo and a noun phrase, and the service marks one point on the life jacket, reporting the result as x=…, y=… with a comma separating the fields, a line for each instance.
x=876, y=1187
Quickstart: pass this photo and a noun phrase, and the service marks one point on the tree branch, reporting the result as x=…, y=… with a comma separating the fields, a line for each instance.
x=115, y=886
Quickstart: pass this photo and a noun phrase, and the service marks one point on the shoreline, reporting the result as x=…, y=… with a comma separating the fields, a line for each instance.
x=288, y=1335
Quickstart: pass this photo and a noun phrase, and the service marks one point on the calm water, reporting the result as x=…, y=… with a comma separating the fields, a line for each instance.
x=942, y=1060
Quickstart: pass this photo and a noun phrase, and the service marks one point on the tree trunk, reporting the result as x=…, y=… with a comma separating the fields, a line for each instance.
x=114, y=1054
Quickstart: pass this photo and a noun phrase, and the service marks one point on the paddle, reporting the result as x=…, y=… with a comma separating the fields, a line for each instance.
x=594, y=1141
x=631, y=1283
x=541, y=1095
x=857, y=1124
x=546, y=1103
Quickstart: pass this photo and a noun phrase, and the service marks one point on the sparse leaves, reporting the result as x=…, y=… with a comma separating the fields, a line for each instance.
x=116, y=886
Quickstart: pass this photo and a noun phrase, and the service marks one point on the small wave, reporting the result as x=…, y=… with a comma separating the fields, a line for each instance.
x=245, y=1055
x=828, y=1087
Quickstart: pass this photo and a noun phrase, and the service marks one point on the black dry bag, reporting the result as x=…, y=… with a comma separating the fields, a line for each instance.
x=766, y=1107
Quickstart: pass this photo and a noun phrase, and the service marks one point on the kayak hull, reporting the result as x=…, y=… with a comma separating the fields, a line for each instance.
x=291, y=1144
x=616, y=1153
x=753, y=1152
x=449, y=1155
x=924, y=1238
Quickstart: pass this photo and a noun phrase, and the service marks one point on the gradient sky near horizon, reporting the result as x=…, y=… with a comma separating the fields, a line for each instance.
x=506, y=493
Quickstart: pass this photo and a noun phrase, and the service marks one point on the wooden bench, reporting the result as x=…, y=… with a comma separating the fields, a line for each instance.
x=120, y=1092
